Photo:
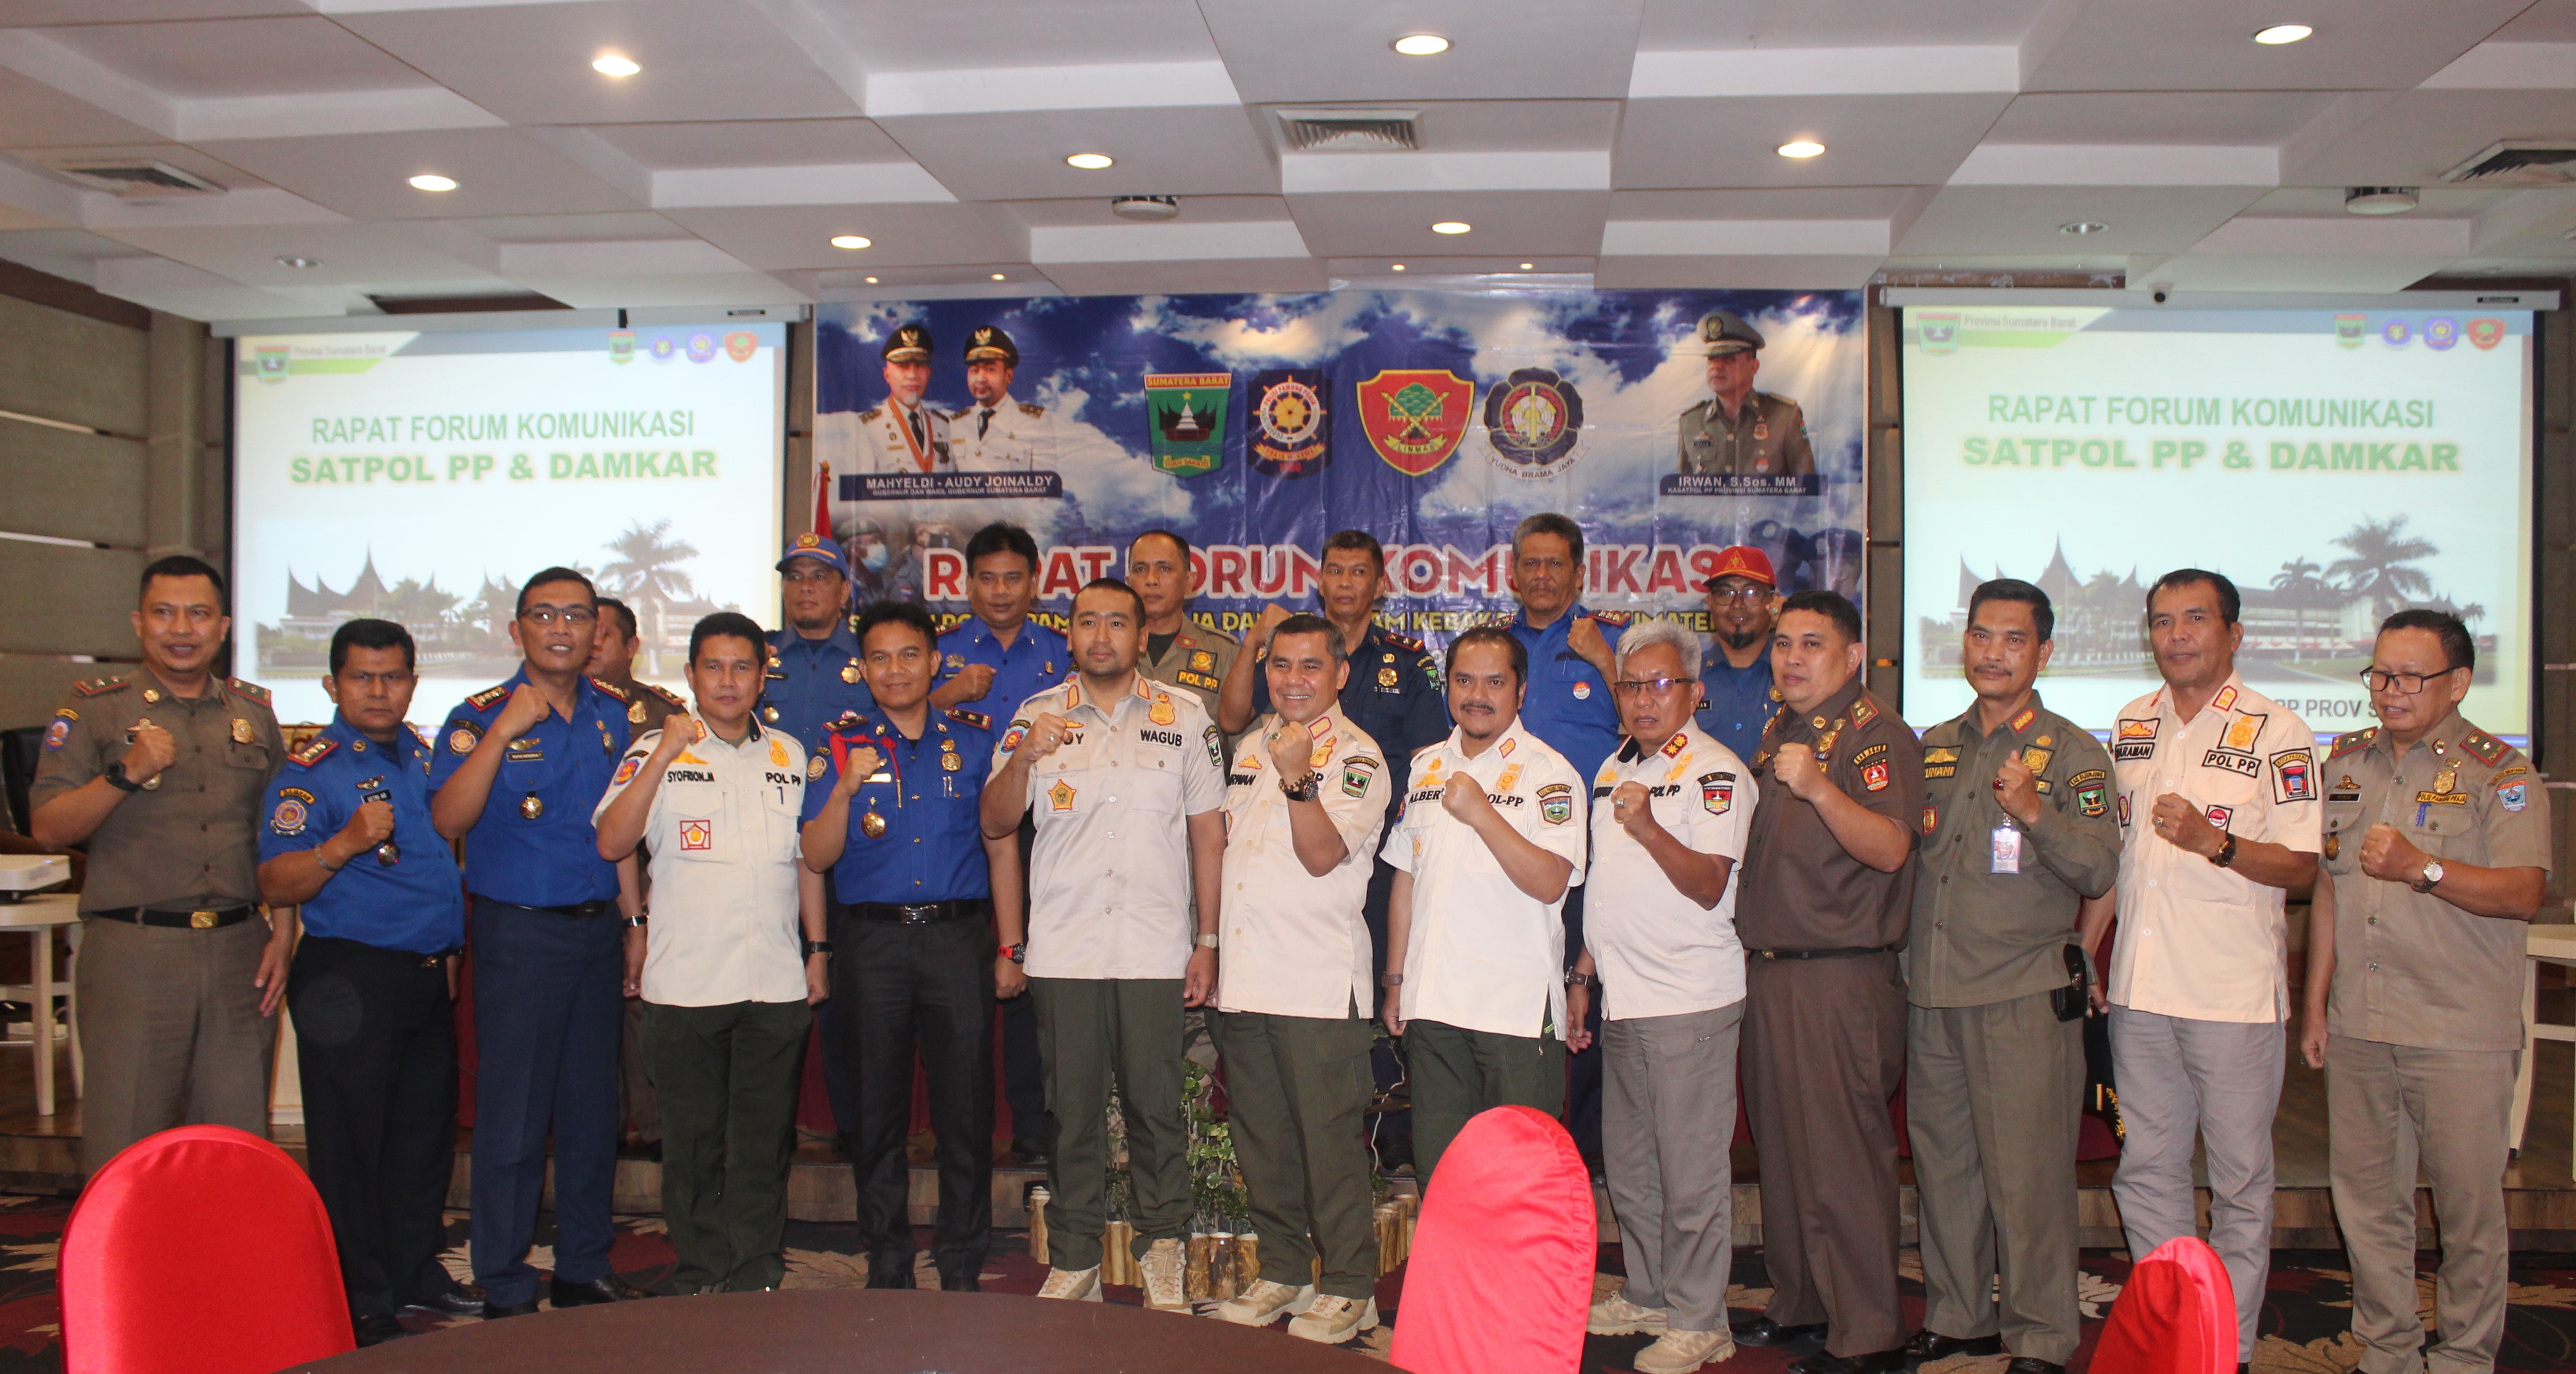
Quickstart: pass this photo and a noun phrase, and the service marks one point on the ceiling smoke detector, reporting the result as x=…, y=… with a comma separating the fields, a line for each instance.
x=1151, y=209
x=1350, y=131
x=135, y=178
x=2380, y=200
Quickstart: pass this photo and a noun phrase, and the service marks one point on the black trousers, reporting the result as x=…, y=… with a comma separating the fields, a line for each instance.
x=375, y=1042
x=926, y=990
x=1582, y=1071
x=1023, y=1071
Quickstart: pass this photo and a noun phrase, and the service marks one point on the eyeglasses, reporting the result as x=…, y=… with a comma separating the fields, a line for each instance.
x=1656, y=685
x=1740, y=593
x=2405, y=684
x=569, y=615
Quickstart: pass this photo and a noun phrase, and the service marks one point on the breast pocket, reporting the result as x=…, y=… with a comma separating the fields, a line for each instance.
x=2232, y=802
x=254, y=756
x=2344, y=829
x=696, y=822
x=2448, y=830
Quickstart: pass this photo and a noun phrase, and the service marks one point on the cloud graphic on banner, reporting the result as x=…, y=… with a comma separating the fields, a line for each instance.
x=1300, y=331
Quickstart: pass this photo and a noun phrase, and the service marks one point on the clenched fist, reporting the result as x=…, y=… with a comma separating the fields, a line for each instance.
x=1263, y=628
x=2390, y=857
x=1465, y=798
x=1046, y=735
x=2183, y=826
x=2017, y=788
x=1632, y=808
x=527, y=706
x=151, y=751
x=860, y=765
x=371, y=826
x=1797, y=769
x=1585, y=639
x=972, y=681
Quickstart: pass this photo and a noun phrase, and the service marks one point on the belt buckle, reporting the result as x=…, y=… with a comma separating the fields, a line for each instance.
x=201, y=920
x=919, y=915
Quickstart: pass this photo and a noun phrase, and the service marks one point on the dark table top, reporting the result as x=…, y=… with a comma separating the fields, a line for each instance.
x=853, y=1331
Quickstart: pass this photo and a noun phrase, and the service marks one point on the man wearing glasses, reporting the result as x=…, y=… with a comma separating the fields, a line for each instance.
x=519, y=769
x=2436, y=854
x=1735, y=673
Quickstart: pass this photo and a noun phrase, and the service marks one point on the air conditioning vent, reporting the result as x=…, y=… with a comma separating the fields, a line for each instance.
x=135, y=178
x=1350, y=131
x=2520, y=162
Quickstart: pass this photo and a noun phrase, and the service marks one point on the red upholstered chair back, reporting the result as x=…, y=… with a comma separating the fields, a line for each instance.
x=1500, y=1277
x=2177, y=1315
x=202, y=1250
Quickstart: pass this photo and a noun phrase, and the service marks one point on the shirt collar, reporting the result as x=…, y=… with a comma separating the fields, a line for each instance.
x=2447, y=736
x=1562, y=626
x=1504, y=746
x=2019, y=723
x=1631, y=751
x=2229, y=692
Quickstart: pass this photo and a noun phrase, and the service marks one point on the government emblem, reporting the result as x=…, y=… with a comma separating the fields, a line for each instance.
x=1294, y=436
x=1414, y=417
x=1532, y=419
x=621, y=345
x=741, y=346
x=1186, y=420
x=2486, y=333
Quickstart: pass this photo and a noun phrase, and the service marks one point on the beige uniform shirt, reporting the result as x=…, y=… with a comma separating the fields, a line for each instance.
x=1109, y=881
x=1658, y=952
x=1294, y=944
x=722, y=835
x=1483, y=955
x=2410, y=968
x=1015, y=436
x=191, y=839
x=887, y=443
x=2196, y=940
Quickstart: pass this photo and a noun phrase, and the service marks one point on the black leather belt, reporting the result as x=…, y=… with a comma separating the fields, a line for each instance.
x=920, y=914
x=203, y=918
x=582, y=912
x=1822, y=953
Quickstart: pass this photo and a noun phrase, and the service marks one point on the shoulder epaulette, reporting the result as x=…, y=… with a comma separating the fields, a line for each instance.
x=2489, y=750
x=1863, y=710
x=965, y=717
x=611, y=689
x=1429, y=747
x=669, y=698
x=869, y=415
x=482, y=700
x=98, y=686
x=2352, y=741
x=1032, y=409
x=1620, y=618
x=1405, y=642
x=249, y=691
x=423, y=736
x=314, y=751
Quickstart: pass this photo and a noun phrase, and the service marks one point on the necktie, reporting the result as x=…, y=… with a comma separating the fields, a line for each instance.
x=919, y=440
x=983, y=421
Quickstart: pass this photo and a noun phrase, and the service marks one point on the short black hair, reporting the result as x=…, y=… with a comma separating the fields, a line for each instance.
x=609, y=605
x=546, y=575
x=1549, y=522
x=2042, y=614
x=370, y=634
x=2229, y=603
x=1361, y=540
x=1491, y=634
x=1309, y=623
x=898, y=613
x=1002, y=537
x=1113, y=584
x=1832, y=605
x=728, y=625
x=181, y=565
x=1157, y=533
x=2457, y=646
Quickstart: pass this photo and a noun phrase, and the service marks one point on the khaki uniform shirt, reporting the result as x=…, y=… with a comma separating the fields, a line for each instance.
x=1801, y=889
x=1981, y=935
x=1109, y=881
x=1196, y=661
x=2196, y=940
x=1295, y=944
x=2410, y=968
x=886, y=442
x=1769, y=436
x=1015, y=436
x=191, y=839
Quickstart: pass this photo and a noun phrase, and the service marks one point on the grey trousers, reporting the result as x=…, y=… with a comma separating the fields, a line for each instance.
x=1667, y=1111
x=1095, y=1033
x=171, y=1028
x=1994, y=1095
x=2220, y=1080
x=2391, y=1107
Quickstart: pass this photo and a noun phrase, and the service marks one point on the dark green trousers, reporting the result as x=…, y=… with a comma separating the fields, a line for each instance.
x=726, y=1077
x=1457, y=1073
x=1095, y=1033
x=1297, y=1088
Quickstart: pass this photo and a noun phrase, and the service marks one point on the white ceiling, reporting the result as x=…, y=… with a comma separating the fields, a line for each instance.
x=1624, y=143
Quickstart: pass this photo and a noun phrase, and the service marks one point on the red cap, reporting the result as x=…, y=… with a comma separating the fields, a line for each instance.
x=1743, y=561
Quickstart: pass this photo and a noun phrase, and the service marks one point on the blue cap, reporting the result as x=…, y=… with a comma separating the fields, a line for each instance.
x=821, y=550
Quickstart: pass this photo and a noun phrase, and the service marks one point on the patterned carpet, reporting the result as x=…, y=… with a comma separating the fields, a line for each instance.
x=2304, y=1319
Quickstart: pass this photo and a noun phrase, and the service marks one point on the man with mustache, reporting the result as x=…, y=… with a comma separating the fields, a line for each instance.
x=1735, y=674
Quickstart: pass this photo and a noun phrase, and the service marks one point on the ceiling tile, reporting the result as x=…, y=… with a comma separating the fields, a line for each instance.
x=1802, y=202
x=364, y=176
x=218, y=58
x=1094, y=210
x=792, y=237
x=2165, y=117
x=1517, y=223
x=1331, y=50
x=1208, y=150
x=179, y=155
x=2550, y=21
x=1887, y=140
x=2208, y=45
x=908, y=36
x=1483, y=126
x=33, y=12
x=2412, y=138
x=1993, y=220
x=35, y=115
x=1820, y=272
x=1284, y=276
x=355, y=254
x=2291, y=272
x=751, y=143
x=636, y=226
x=1672, y=24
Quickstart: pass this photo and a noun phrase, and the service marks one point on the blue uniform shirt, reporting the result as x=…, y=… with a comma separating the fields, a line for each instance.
x=1038, y=659
x=812, y=683
x=1568, y=705
x=414, y=903
x=1395, y=695
x=926, y=792
x=557, y=771
x=1738, y=701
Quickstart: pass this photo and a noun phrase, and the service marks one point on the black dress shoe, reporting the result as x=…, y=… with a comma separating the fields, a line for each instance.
x=1930, y=1345
x=607, y=1288
x=891, y=1278
x=1029, y=1153
x=494, y=1312
x=1876, y=1362
x=378, y=1329
x=2024, y=1364
x=960, y=1283
x=462, y=1300
x=1764, y=1331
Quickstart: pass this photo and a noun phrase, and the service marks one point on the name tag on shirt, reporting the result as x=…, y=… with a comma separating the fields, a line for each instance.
x=2004, y=850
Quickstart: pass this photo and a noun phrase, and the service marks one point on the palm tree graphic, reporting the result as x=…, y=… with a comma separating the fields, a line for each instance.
x=2297, y=581
x=2382, y=563
x=645, y=571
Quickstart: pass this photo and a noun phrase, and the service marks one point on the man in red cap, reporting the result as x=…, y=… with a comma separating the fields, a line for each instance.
x=1736, y=670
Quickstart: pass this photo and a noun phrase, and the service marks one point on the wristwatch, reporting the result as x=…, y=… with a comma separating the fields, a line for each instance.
x=1303, y=789
x=1017, y=954
x=813, y=947
x=1390, y=980
x=1207, y=939
x=2226, y=854
x=639, y=920
x=1582, y=980
x=2430, y=878
x=116, y=778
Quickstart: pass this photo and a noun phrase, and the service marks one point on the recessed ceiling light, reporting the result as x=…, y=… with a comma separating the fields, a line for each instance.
x=872, y=281
x=997, y=276
x=1399, y=267
x=2082, y=226
x=1528, y=266
x=2380, y=200
x=1804, y=147
x=851, y=240
x=1091, y=162
x=614, y=64
x=432, y=181
x=2279, y=34
x=297, y=262
x=1422, y=45
x=1451, y=226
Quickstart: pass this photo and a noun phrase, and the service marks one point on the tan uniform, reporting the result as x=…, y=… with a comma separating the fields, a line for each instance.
x=169, y=1020
x=1015, y=436
x=2425, y=1022
x=889, y=443
x=1769, y=436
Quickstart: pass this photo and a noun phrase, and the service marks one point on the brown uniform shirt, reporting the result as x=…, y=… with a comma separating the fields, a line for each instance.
x=1196, y=661
x=1981, y=936
x=1769, y=436
x=2410, y=968
x=191, y=840
x=1801, y=890
x=647, y=706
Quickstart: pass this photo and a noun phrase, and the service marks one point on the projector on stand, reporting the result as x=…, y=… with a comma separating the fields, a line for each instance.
x=22, y=875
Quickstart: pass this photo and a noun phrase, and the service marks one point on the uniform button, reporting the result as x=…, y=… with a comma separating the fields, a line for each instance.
x=2374, y=968
x=2374, y=920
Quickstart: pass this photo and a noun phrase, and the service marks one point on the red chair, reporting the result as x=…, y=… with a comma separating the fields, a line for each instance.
x=2177, y=1315
x=201, y=1250
x=1500, y=1276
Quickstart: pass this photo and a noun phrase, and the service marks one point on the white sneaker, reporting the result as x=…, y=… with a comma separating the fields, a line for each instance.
x=1680, y=1352
x=1163, y=1265
x=1616, y=1316
x=1079, y=1285
x=1333, y=1320
x=1263, y=1303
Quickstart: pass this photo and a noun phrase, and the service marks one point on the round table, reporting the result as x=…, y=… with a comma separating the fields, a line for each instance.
x=856, y=1330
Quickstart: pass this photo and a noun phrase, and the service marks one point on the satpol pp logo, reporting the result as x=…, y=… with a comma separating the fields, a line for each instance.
x=271, y=362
